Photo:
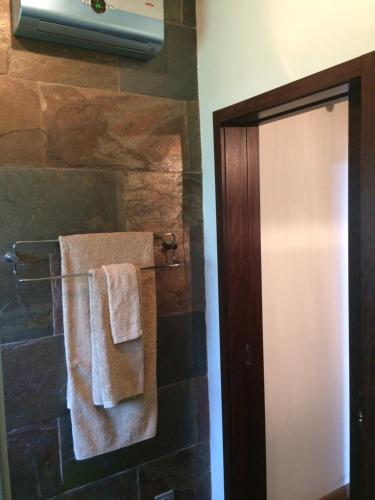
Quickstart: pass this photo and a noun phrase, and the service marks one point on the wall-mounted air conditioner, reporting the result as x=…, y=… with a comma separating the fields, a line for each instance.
x=126, y=27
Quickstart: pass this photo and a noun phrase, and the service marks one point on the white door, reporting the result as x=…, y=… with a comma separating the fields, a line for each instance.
x=304, y=226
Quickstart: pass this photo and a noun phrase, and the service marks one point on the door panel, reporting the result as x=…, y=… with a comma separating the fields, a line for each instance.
x=304, y=235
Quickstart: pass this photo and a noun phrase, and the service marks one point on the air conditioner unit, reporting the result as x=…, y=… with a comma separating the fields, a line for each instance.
x=126, y=27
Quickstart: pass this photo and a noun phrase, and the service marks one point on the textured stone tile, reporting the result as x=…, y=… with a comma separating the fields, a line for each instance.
x=19, y=106
x=186, y=472
x=193, y=238
x=22, y=138
x=124, y=486
x=154, y=203
x=23, y=148
x=173, y=11
x=203, y=411
x=25, y=314
x=55, y=63
x=103, y=129
x=172, y=203
x=25, y=311
x=42, y=204
x=181, y=347
x=34, y=462
x=34, y=381
x=173, y=73
x=178, y=427
x=5, y=24
x=3, y=61
x=188, y=13
x=56, y=291
x=193, y=127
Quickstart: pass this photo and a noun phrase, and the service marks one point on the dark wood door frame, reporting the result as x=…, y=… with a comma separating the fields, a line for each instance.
x=239, y=256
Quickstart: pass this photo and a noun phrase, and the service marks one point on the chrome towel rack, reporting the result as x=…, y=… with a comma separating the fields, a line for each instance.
x=169, y=246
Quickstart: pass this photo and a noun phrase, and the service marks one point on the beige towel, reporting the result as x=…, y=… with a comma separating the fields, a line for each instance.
x=97, y=430
x=117, y=370
x=124, y=301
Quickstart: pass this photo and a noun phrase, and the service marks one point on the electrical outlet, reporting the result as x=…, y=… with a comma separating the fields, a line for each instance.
x=168, y=495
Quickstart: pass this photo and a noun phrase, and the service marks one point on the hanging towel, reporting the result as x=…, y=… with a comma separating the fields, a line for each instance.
x=124, y=301
x=117, y=370
x=97, y=430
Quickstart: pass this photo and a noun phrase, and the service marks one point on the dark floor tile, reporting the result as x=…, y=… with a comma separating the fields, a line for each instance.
x=122, y=486
x=173, y=11
x=181, y=347
x=178, y=427
x=188, y=13
x=173, y=73
x=34, y=462
x=186, y=472
x=34, y=381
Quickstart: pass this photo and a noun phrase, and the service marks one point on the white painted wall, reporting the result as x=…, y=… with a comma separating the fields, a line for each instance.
x=246, y=47
x=304, y=229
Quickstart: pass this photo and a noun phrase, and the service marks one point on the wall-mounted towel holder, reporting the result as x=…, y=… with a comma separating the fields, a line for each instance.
x=169, y=245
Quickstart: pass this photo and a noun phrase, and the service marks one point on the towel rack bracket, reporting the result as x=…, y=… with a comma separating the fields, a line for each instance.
x=11, y=258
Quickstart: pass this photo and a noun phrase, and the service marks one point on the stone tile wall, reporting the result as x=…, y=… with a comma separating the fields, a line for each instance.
x=91, y=142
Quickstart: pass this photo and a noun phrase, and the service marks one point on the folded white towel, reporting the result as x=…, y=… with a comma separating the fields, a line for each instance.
x=124, y=301
x=97, y=430
x=117, y=370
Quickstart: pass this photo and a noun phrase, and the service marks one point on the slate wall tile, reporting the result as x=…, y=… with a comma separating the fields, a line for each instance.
x=89, y=128
x=166, y=202
x=22, y=137
x=172, y=73
x=42, y=204
x=154, y=203
x=34, y=381
x=55, y=63
x=203, y=411
x=186, y=472
x=5, y=24
x=193, y=238
x=26, y=313
x=193, y=128
x=3, y=61
x=188, y=13
x=56, y=293
x=173, y=11
x=122, y=486
x=34, y=461
x=177, y=428
x=181, y=347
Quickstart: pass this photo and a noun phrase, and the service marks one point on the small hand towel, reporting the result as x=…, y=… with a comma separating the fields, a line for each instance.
x=97, y=430
x=124, y=301
x=117, y=370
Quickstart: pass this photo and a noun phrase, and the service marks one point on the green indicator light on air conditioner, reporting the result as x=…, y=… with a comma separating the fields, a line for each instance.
x=99, y=6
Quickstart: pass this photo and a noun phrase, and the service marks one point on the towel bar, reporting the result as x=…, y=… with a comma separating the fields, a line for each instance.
x=13, y=257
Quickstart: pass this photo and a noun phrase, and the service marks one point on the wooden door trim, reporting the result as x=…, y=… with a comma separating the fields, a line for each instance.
x=358, y=75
